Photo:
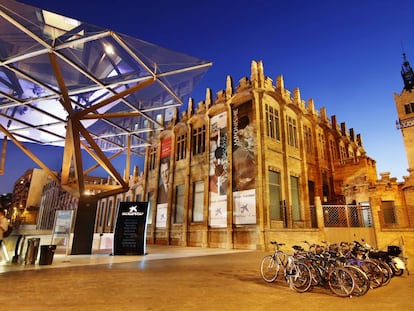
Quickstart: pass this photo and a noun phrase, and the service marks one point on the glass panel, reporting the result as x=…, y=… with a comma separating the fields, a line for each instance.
x=179, y=204
x=110, y=215
x=274, y=196
x=95, y=64
x=294, y=190
x=198, y=202
x=102, y=214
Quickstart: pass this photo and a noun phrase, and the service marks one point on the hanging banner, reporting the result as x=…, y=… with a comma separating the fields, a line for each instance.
x=218, y=178
x=244, y=164
x=163, y=185
x=244, y=204
x=161, y=217
x=131, y=228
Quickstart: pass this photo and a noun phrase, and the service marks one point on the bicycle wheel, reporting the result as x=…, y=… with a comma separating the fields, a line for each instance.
x=269, y=268
x=398, y=272
x=299, y=277
x=315, y=274
x=386, y=271
x=341, y=282
x=374, y=273
x=362, y=283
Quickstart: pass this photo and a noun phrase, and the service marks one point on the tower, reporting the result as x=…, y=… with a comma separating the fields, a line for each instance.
x=405, y=109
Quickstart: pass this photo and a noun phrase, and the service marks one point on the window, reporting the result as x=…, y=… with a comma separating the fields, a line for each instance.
x=109, y=215
x=152, y=158
x=311, y=190
x=179, y=204
x=272, y=117
x=292, y=132
x=307, y=133
x=388, y=210
x=150, y=201
x=160, y=119
x=294, y=192
x=274, y=196
x=198, y=201
x=409, y=108
x=366, y=214
x=333, y=150
x=138, y=197
x=102, y=214
x=342, y=151
x=325, y=187
x=322, y=145
x=181, y=147
x=199, y=139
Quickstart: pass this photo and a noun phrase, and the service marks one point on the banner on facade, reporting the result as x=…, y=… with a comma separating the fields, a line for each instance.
x=244, y=207
x=218, y=178
x=161, y=217
x=244, y=167
x=131, y=228
x=163, y=184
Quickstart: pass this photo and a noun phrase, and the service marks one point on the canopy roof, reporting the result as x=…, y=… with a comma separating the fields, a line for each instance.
x=52, y=67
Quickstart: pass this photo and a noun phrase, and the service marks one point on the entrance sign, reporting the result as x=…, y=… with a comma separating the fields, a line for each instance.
x=131, y=228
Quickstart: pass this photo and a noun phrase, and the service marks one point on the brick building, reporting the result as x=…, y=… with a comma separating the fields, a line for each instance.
x=259, y=163
x=247, y=164
x=26, y=197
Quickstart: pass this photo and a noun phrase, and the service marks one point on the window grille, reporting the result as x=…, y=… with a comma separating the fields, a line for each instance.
x=347, y=216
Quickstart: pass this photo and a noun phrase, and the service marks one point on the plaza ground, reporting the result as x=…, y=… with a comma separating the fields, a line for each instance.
x=175, y=278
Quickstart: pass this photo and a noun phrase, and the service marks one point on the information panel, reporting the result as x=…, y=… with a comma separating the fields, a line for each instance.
x=130, y=229
x=62, y=228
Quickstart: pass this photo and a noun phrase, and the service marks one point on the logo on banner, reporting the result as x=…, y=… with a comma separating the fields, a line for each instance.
x=133, y=212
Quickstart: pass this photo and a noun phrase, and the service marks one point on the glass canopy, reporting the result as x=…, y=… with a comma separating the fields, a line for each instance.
x=47, y=59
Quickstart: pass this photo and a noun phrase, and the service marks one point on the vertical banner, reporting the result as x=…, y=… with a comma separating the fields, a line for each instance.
x=244, y=164
x=131, y=228
x=218, y=178
x=164, y=183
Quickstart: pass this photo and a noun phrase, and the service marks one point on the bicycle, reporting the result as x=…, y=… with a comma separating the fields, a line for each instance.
x=295, y=272
x=355, y=254
x=327, y=272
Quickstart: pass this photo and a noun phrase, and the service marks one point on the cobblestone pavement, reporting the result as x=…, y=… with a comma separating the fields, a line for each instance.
x=179, y=279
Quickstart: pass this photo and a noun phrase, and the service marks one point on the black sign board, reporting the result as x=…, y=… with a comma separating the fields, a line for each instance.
x=130, y=229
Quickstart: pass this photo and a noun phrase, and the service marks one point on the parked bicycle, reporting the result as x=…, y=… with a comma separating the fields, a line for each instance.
x=296, y=273
x=355, y=254
x=329, y=273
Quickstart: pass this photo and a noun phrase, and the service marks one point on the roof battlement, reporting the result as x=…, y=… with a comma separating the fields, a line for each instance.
x=258, y=81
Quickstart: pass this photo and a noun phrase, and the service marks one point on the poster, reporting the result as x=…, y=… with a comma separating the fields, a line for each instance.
x=164, y=184
x=218, y=178
x=244, y=164
x=244, y=204
x=161, y=217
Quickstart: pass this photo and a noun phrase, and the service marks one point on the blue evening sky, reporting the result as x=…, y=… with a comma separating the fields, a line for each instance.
x=346, y=55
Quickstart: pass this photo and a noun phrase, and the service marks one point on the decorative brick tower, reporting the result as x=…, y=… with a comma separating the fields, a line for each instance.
x=405, y=109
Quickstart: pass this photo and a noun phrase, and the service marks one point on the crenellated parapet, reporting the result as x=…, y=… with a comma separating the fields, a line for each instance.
x=258, y=81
